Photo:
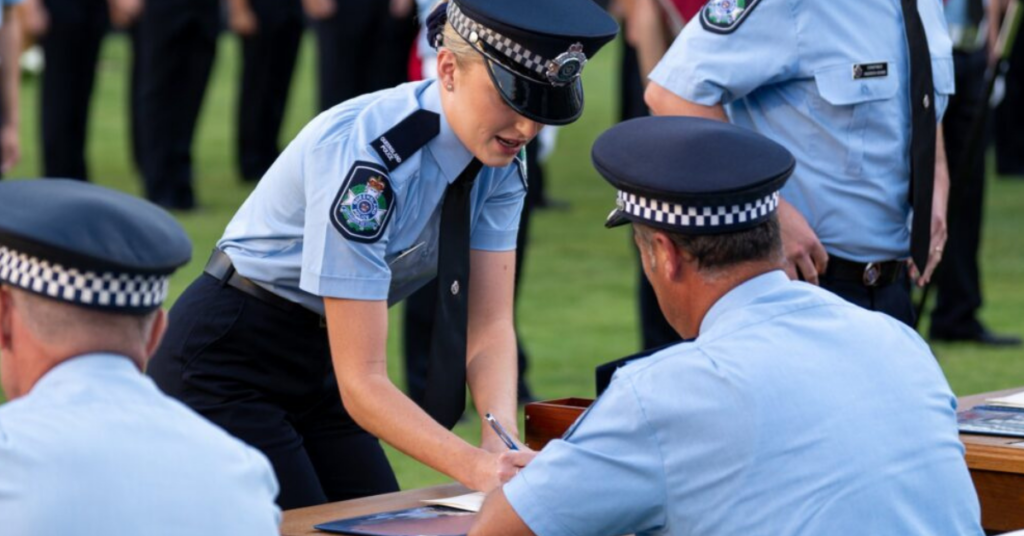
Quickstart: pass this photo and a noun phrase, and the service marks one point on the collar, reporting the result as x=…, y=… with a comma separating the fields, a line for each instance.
x=741, y=295
x=72, y=370
x=449, y=153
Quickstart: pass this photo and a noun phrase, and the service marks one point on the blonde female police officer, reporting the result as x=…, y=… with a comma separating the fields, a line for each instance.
x=372, y=199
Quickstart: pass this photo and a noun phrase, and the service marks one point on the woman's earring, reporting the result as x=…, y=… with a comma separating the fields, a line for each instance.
x=450, y=87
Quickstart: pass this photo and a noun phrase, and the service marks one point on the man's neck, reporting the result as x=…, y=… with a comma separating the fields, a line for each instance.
x=695, y=297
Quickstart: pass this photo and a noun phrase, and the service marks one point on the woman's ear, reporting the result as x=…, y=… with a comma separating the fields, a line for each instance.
x=446, y=67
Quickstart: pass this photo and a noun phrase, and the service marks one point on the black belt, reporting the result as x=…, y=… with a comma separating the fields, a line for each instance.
x=219, y=266
x=870, y=274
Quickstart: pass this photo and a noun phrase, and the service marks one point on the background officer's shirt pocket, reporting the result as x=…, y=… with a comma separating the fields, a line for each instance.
x=863, y=115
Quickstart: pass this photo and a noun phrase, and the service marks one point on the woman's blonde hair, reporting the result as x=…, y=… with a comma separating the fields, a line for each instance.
x=459, y=47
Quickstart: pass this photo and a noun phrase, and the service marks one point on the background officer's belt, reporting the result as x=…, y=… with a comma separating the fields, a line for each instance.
x=869, y=274
x=219, y=266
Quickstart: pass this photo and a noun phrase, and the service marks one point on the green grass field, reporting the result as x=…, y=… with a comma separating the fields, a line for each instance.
x=576, y=308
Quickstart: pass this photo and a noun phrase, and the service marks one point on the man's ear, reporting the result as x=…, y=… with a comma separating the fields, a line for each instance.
x=6, y=317
x=156, y=333
x=668, y=255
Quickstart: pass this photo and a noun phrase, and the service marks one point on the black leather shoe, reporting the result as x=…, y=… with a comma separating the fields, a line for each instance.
x=983, y=337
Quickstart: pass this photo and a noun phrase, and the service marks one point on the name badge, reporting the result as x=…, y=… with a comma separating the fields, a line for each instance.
x=870, y=70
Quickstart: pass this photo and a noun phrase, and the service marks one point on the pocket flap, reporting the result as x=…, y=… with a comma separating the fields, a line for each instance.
x=837, y=85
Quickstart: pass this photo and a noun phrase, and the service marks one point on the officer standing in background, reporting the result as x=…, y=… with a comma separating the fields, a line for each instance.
x=958, y=279
x=178, y=40
x=364, y=45
x=854, y=90
x=71, y=33
x=270, y=32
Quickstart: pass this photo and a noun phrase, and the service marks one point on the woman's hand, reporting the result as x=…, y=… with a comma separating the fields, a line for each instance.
x=509, y=463
x=493, y=469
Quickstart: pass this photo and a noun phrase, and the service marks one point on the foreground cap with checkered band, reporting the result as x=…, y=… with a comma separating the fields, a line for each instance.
x=535, y=50
x=87, y=245
x=691, y=175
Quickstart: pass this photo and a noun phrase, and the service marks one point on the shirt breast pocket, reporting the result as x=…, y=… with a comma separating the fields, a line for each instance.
x=860, y=114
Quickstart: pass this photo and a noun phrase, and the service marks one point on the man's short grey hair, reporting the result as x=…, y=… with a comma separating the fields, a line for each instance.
x=57, y=322
x=714, y=252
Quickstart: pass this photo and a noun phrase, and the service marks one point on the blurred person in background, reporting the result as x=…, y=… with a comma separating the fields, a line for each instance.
x=974, y=30
x=71, y=33
x=363, y=45
x=270, y=32
x=176, y=46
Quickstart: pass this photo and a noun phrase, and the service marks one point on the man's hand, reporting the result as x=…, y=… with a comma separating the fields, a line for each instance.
x=319, y=9
x=805, y=256
x=243, y=21
x=940, y=200
x=512, y=461
x=10, y=147
x=124, y=13
x=36, y=18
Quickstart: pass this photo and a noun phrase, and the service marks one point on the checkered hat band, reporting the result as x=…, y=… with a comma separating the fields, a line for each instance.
x=108, y=290
x=466, y=26
x=709, y=217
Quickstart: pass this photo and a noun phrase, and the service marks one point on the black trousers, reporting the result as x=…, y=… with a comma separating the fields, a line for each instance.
x=268, y=60
x=362, y=49
x=1009, y=116
x=893, y=299
x=265, y=375
x=177, y=46
x=957, y=279
x=419, y=306
x=71, y=47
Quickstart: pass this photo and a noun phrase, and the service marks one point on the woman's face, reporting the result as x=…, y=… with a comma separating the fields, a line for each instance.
x=488, y=127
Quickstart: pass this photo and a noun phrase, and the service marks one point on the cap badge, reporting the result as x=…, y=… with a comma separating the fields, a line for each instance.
x=567, y=66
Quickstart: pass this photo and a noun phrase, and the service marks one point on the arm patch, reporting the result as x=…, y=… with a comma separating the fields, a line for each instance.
x=725, y=16
x=365, y=203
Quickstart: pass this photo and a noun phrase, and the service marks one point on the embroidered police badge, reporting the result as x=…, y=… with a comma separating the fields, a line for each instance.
x=364, y=204
x=724, y=16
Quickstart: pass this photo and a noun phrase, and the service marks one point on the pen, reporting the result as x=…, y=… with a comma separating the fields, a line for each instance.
x=500, y=430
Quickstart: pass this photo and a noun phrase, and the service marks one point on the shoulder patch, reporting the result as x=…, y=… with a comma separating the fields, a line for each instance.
x=365, y=203
x=724, y=16
x=521, y=160
x=407, y=137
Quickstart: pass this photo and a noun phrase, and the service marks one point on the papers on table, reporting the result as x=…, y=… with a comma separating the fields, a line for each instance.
x=1015, y=400
x=470, y=502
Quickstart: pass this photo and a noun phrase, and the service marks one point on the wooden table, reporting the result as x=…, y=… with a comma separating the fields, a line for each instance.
x=299, y=522
x=997, y=468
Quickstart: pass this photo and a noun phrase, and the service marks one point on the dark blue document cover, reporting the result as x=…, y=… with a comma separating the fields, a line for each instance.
x=992, y=420
x=422, y=521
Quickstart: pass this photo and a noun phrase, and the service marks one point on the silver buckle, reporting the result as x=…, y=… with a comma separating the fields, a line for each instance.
x=872, y=273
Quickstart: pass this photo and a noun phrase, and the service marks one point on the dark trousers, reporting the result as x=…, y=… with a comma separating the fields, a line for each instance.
x=268, y=60
x=71, y=47
x=265, y=375
x=892, y=299
x=179, y=40
x=957, y=279
x=362, y=49
x=420, y=305
x=1009, y=116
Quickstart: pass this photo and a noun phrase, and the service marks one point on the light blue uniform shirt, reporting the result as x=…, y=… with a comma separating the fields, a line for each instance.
x=282, y=237
x=96, y=449
x=793, y=413
x=787, y=72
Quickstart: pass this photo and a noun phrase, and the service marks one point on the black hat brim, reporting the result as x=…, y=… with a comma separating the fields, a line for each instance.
x=543, y=103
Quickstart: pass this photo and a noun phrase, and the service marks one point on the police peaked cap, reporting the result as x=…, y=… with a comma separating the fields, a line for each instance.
x=535, y=50
x=87, y=245
x=690, y=175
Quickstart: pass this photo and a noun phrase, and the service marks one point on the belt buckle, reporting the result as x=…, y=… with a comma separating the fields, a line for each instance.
x=872, y=273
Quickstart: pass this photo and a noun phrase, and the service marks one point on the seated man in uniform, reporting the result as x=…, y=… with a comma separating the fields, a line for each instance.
x=88, y=444
x=788, y=411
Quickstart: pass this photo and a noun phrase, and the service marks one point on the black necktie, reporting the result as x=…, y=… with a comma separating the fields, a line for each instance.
x=445, y=397
x=922, y=135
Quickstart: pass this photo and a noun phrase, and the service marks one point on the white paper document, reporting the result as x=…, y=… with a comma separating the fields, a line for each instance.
x=470, y=502
x=1015, y=400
